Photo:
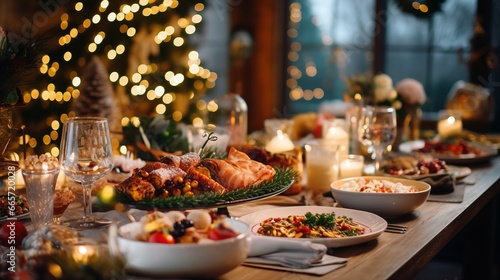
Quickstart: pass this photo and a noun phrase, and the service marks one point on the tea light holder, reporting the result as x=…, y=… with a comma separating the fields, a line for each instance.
x=351, y=166
x=280, y=143
x=335, y=132
x=449, y=123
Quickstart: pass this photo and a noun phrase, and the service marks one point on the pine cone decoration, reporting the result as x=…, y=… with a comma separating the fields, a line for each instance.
x=96, y=95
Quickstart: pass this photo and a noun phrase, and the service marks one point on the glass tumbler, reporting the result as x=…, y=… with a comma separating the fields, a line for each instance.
x=40, y=186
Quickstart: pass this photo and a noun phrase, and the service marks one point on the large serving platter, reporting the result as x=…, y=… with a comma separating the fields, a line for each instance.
x=486, y=153
x=280, y=183
x=459, y=172
x=374, y=225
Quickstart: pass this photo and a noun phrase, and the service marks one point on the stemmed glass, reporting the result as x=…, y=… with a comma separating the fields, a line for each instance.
x=86, y=156
x=377, y=129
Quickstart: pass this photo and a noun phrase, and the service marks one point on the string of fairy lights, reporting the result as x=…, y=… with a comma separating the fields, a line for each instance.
x=296, y=91
x=136, y=82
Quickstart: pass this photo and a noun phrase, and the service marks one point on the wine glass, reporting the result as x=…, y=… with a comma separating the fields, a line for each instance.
x=86, y=156
x=377, y=129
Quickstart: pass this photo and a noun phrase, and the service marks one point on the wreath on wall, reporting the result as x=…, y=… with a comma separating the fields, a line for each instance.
x=420, y=9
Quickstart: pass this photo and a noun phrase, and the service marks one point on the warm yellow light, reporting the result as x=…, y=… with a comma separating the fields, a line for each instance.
x=201, y=105
x=67, y=56
x=182, y=22
x=35, y=94
x=167, y=98
x=46, y=139
x=66, y=96
x=146, y=12
x=159, y=91
x=96, y=19
x=169, y=75
x=177, y=116
x=415, y=5
x=194, y=69
x=134, y=8
x=150, y=95
x=54, y=151
x=120, y=49
x=111, y=17
x=76, y=81
x=190, y=29
x=113, y=77
x=199, y=7
x=196, y=18
x=98, y=39
x=123, y=81
x=125, y=9
x=79, y=6
x=86, y=23
x=212, y=106
x=73, y=32
x=143, y=2
x=64, y=25
x=161, y=109
x=112, y=54
x=55, y=124
x=311, y=70
x=169, y=30
x=104, y=4
x=318, y=93
x=120, y=16
x=179, y=41
x=423, y=8
x=155, y=10
x=125, y=121
x=131, y=31
x=142, y=69
x=92, y=47
x=64, y=17
x=136, y=77
x=129, y=16
x=162, y=35
x=45, y=59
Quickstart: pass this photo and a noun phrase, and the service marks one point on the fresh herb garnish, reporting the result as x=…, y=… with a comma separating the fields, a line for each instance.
x=326, y=220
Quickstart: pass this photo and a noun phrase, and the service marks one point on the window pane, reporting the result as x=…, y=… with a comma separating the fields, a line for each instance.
x=328, y=40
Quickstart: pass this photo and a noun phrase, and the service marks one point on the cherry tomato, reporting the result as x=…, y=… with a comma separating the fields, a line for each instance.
x=161, y=237
x=220, y=233
x=12, y=233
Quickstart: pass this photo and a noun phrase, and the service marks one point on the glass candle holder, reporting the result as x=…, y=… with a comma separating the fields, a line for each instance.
x=335, y=131
x=322, y=164
x=351, y=166
x=449, y=123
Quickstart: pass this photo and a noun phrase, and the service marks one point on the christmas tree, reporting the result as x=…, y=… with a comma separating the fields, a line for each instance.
x=144, y=48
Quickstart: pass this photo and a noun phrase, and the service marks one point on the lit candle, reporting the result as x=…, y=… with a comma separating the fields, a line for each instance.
x=352, y=166
x=334, y=132
x=449, y=126
x=280, y=143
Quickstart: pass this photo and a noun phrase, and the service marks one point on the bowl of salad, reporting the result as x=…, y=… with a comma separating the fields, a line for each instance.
x=183, y=244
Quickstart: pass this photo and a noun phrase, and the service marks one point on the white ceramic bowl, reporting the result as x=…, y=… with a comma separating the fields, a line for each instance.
x=207, y=260
x=382, y=204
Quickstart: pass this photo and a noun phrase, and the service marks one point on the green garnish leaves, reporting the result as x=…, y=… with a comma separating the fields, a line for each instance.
x=326, y=220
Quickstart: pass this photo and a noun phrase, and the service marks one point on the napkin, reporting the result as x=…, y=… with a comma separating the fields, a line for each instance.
x=291, y=255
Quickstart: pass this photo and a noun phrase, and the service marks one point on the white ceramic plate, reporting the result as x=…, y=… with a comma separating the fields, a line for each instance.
x=374, y=225
x=458, y=171
x=487, y=153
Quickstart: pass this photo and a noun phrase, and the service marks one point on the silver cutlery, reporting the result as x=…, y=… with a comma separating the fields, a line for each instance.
x=392, y=228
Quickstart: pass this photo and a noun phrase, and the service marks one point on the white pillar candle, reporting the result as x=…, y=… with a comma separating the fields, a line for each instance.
x=334, y=132
x=352, y=166
x=280, y=143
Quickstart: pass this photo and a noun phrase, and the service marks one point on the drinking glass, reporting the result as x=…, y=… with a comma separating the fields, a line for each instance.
x=377, y=129
x=86, y=156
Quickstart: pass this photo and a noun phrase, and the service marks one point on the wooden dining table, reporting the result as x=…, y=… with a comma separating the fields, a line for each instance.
x=399, y=256
x=430, y=228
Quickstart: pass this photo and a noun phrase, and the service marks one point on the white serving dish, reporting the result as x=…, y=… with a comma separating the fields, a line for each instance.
x=207, y=260
x=383, y=204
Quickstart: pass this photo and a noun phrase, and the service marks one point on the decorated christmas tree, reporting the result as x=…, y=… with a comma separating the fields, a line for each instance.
x=140, y=47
